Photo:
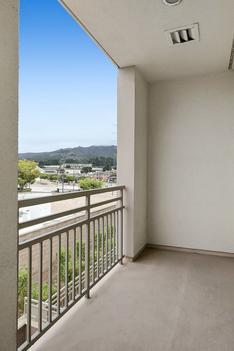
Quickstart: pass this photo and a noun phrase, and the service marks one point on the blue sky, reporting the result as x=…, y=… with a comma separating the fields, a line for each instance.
x=67, y=90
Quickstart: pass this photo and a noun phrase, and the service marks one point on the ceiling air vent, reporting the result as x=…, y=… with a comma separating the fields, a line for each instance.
x=183, y=35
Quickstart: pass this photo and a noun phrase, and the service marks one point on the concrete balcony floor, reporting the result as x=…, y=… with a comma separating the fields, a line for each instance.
x=165, y=301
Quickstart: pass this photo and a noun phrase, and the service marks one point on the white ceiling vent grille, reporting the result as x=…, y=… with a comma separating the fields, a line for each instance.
x=183, y=35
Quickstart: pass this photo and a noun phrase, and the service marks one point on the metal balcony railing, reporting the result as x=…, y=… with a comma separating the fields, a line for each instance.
x=63, y=264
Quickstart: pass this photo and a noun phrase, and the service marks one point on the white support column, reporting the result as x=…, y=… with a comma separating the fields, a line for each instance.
x=132, y=156
x=8, y=174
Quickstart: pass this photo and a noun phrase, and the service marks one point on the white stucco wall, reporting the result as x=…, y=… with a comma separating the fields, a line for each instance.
x=8, y=174
x=191, y=163
x=132, y=155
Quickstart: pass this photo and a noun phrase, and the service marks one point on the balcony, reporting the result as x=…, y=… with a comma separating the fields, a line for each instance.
x=176, y=161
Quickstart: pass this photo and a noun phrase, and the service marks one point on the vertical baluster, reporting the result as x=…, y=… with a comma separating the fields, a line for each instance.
x=93, y=250
x=114, y=215
x=77, y=263
x=50, y=280
x=121, y=228
x=117, y=234
x=102, y=245
x=87, y=247
x=111, y=240
x=98, y=234
x=113, y=221
x=29, y=294
x=107, y=244
x=114, y=231
x=74, y=265
x=40, y=286
x=58, y=275
x=66, y=270
x=80, y=261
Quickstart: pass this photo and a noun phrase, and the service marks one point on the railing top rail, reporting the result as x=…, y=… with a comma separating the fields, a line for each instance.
x=65, y=229
x=60, y=215
x=66, y=196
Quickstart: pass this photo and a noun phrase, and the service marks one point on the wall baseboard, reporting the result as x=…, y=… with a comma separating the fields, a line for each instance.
x=135, y=257
x=189, y=250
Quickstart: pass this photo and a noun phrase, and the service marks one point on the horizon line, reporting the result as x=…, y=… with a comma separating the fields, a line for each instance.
x=66, y=148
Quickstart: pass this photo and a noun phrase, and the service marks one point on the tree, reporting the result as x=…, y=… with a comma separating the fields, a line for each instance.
x=107, y=168
x=23, y=289
x=69, y=178
x=53, y=177
x=44, y=176
x=90, y=183
x=27, y=173
x=86, y=169
x=43, y=163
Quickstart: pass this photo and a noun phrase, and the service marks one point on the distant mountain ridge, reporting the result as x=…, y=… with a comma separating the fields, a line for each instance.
x=79, y=153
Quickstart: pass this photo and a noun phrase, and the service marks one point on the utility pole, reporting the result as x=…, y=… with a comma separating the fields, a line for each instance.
x=62, y=171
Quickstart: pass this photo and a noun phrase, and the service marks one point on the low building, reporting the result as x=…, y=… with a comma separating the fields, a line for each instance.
x=51, y=169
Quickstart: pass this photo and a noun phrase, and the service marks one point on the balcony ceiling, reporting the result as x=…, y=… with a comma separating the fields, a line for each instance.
x=132, y=32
